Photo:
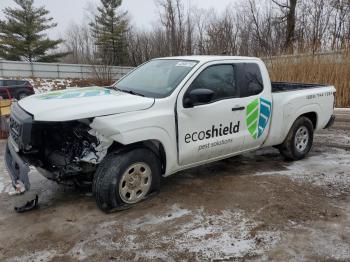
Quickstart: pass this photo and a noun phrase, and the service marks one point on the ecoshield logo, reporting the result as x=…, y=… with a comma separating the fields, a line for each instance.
x=258, y=115
x=213, y=132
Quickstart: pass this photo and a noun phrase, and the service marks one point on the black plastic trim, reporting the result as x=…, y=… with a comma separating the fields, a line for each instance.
x=330, y=122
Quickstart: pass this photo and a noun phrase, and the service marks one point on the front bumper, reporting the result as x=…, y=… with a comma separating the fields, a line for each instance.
x=18, y=169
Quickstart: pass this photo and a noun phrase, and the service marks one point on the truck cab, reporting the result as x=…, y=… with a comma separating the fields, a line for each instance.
x=227, y=122
x=165, y=116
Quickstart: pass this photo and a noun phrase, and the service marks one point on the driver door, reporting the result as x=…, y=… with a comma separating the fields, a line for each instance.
x=213, y=129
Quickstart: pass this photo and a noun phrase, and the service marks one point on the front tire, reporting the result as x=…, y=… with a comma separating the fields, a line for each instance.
x=126, y=178
x=299, y=140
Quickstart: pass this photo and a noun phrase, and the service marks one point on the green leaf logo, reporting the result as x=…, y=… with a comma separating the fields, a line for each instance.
x=252, y=118
x=258, y=115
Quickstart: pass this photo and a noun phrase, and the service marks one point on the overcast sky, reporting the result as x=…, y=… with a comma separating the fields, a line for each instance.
x=143, y=13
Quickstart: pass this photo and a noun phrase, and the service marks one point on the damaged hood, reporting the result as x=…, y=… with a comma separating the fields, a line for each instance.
x=80, y=103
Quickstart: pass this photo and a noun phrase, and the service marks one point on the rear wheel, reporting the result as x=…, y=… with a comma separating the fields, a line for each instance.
x=299, y=140
x=126, y=178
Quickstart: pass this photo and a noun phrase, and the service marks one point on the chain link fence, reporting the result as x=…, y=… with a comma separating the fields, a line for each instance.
x=16, y=69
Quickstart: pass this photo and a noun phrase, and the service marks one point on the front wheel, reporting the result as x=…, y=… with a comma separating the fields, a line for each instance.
x=299, y=140
x=126, y=178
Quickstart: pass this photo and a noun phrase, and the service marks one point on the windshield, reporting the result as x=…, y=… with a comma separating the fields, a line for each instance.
x=157, y=78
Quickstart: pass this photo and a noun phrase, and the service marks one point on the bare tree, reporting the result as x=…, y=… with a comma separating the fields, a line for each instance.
x=79, y=43
x=289, y=14
x=340, y=24
x=253, y=27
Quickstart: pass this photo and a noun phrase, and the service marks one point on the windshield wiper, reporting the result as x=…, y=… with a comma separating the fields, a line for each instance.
x=132, y=92
x=128, y=91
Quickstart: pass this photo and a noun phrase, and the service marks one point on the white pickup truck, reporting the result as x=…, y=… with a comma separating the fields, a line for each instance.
x=165, y=116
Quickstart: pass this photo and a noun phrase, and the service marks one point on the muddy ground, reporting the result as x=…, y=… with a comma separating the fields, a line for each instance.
x=253, y=207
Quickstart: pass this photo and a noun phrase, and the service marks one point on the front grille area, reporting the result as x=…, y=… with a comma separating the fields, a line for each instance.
x=15, y=126
x=15, y=130
x=20, y=125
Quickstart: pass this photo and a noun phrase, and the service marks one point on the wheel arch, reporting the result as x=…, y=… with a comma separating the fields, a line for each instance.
x=312, y=116
x=153, y=145
x=311, y=111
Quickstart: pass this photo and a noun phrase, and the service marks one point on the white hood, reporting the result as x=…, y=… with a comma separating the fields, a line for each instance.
x=80, y=103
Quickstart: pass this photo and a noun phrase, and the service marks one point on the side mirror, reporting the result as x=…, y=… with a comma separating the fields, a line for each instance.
x=197, y=97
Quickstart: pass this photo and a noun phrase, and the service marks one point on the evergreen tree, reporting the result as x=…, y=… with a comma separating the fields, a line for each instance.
x=109, y=29
x=22, y=34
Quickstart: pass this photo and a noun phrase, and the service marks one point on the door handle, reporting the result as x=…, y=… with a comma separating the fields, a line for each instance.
x=238, y=108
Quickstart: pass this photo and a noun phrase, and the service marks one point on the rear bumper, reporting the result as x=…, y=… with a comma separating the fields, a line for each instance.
x=330, y=122
x=18, y=169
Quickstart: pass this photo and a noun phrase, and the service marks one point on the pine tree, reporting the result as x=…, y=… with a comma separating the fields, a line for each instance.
x=22, y=34
x=109, y=29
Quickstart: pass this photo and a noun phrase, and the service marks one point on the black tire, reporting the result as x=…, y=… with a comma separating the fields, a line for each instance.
x=22, y=93
x=292, y=150
x=107, y=179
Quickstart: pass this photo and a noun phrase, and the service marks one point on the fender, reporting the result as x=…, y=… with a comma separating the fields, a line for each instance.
x=291, y=117
x=150, y=133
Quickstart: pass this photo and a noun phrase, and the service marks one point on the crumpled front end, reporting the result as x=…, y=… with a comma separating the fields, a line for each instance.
x=61, y=151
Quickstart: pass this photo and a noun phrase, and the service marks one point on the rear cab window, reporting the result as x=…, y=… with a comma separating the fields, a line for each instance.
x=249, y=79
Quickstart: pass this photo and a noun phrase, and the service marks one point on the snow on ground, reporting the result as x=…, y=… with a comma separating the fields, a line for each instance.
x=340, y=139
x=5, y=184
x=223, y=235
x=45, y=85
x=40, y=256
x=319, y=170
x=42, y=85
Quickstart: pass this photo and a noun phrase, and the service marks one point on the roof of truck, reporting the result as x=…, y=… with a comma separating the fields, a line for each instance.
x=209, y=58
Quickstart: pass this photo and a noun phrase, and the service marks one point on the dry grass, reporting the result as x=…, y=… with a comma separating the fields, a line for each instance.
x=329, y=69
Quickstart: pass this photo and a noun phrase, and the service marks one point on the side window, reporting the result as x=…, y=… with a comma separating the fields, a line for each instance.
x=218, y=78
x=9, y=83
x=1, y=83
x=249, y=79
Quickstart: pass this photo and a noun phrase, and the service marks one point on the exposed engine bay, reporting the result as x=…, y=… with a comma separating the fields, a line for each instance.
x=67, y=150
x=59, y=150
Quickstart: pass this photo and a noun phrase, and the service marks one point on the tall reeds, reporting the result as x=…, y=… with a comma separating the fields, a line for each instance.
x=331, y=69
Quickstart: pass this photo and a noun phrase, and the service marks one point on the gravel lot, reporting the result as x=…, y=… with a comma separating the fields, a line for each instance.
x=253, y=207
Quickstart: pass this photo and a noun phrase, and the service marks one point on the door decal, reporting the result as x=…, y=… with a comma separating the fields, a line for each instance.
x=257, y=116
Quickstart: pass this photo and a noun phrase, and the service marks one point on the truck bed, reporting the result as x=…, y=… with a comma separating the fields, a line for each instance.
x=286, y=86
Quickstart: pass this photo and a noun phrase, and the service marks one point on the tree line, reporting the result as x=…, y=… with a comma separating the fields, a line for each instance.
x=247, y=27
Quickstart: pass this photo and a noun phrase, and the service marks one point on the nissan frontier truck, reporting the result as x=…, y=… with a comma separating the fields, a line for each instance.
x=165, y=116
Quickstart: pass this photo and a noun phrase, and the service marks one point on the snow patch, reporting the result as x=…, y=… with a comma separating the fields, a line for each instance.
x=227, y=234
x=5, y=183
x=330, y=170
x=39, y=256
x=42, y=85
x=341, y=109
x=328, y=245
x=150, y=220
x=206, y=236
x=340, y=139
